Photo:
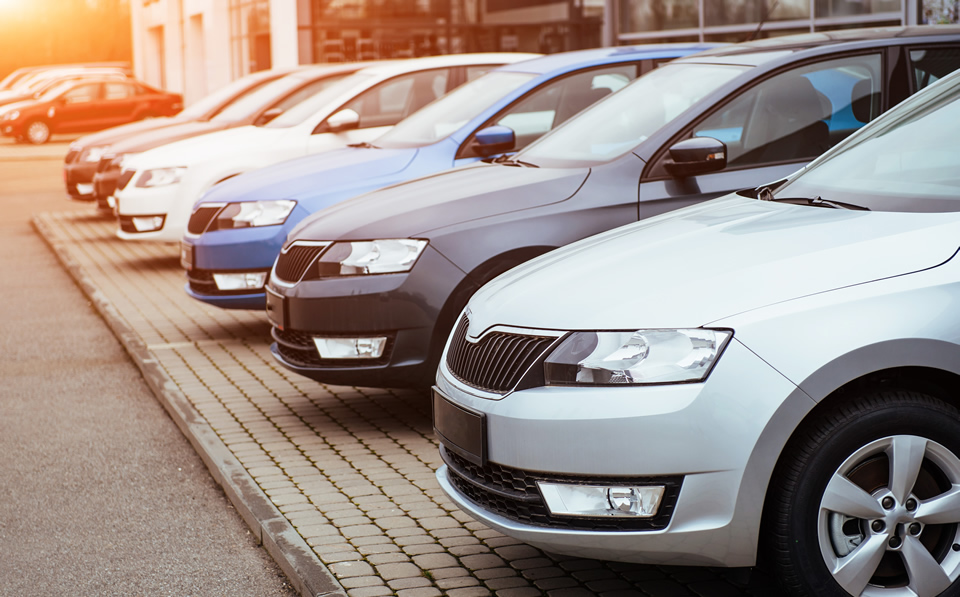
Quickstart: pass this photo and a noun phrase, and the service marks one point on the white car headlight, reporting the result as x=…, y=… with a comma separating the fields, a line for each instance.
x=160, y=177
x=254, y=213
x=12, y=115
x=370, y=257
x=641, y=357
x=94, y=153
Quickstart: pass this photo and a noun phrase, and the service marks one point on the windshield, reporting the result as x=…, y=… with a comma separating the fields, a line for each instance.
x=905, y=161
x=446, y=115
x=313, y=104
x=216, y=102
x=617, y=124
x=293, y=90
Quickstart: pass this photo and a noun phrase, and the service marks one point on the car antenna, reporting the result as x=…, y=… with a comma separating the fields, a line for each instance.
x=763, y=20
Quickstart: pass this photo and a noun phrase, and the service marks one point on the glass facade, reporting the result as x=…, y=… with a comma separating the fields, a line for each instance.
x=738, y=20
x=250, y=36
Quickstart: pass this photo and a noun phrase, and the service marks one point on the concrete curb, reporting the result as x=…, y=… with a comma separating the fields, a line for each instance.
x=284, y=544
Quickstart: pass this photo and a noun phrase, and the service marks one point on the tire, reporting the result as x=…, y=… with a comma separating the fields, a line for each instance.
x=830, y=529
x=37, y=132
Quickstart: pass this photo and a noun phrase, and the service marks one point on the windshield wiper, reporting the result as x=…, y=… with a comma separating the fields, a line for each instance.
x=765, y=194
x=363, y=145
x=510, y=161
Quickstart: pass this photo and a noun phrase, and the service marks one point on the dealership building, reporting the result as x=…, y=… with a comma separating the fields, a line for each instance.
x=196, y=46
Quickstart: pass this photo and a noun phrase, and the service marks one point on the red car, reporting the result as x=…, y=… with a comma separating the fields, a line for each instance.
x=85, y=105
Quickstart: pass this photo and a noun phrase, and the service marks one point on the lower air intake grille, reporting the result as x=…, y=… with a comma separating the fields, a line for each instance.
x=513, y=493
x=495, y=363
x=294, y=261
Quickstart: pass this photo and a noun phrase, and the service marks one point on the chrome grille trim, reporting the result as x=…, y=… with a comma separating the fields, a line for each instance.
x=295, y=259
x=496, y=361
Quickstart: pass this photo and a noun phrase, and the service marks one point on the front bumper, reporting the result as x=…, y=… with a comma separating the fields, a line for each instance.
x=403, y=307
x=78, y=177
x=105, y=185
x=722, y=437
x=229, y=251
x=134, y=201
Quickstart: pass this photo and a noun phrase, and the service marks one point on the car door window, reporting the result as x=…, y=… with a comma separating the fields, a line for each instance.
x=116, y=91
x=391, y=101
x=799, y=114
x=82, y=94
x=553, y=103
x=931, y=65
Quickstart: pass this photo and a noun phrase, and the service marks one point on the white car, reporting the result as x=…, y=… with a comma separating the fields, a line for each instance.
x=773, y=372
x=157, y=188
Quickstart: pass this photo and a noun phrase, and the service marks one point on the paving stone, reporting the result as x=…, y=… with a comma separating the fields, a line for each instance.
x=559, y=582
x=423, y=548
x=469, y=550
x=387, y=558
x=495, y=573
x=508, y=582
x=546, y=572
x=520, y=592
x=419, y=592
x=409, y=583
x=378, y=591
x=350, y=569
x=518, y=552
x=481, y=561
x=469, y=592
x=398, y=570
x=435, y=560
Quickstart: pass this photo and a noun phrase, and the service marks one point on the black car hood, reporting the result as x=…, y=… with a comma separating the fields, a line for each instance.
x=413, y=209
x=168, y=134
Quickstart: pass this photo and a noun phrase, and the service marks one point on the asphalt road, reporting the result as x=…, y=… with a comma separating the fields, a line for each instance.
x=100, y=494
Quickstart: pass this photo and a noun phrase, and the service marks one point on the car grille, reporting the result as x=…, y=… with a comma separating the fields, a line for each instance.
x=124, y=179
x=71, y=156
x=298, y=349
x=201, y=218
x=294, y=261
x=105, y=162
x=495, y=363
x=513, y=494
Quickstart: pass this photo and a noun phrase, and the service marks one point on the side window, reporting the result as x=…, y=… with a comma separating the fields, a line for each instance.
x=931, y=65
x=391, y=101
x=116, y=91
x=307, y=91
x=558, y=100
x=799, y=114
x=82, y=94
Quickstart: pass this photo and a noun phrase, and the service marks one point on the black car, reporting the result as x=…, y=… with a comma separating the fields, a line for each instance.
x=366, y=292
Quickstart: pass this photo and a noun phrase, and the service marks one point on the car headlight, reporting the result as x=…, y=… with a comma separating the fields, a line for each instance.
x=12, y=115
x=94, y=153
x=641, y=357
x=160, y=177
x=254, y=213
x=370, y=257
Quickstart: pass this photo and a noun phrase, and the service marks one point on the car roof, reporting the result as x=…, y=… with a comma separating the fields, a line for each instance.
x=396, y=67
x=566, y=60
x=757, y=52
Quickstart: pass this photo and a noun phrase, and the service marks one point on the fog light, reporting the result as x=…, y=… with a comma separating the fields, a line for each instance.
x=245, y=281
x=350, y=348
x=640, y=501
x=148, y=223
x=84, y=189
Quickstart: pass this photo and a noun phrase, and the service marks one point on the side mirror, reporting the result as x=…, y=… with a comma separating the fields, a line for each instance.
x=494, y=139
x=698, y=155
x=344, y=120
x=269, y=115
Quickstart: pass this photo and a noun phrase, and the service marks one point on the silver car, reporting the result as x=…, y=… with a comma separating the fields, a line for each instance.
x=774, y=372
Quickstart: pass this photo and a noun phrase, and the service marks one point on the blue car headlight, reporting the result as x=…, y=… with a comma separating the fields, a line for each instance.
x=639, y=357
x=250, y=214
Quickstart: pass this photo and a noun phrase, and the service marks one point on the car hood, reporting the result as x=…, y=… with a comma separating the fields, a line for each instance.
x=119, y=133
x=313, y=176
x=701, y=264
x=171, y=133
x=244, y=139
x=417, y=207
x=20, y=105
x=8, y=97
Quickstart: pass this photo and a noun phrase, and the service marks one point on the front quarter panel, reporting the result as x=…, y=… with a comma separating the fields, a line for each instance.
x=824, y=341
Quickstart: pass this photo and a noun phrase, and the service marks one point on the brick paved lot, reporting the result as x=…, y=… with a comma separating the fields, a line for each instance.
x=350, y=469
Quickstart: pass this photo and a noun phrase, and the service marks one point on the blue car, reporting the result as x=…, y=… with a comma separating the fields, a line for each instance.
x=237, y=229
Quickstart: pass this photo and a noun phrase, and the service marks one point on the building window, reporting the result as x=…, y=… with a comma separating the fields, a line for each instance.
x=250, y=36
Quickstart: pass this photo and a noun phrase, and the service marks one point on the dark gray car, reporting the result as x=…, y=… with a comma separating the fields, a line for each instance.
x=366, y=293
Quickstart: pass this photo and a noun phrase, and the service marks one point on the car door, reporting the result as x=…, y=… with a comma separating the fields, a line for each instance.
x=544, y=108
x=773, y=128
x=119, y=103
x=77, y=109
x=384, y=105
